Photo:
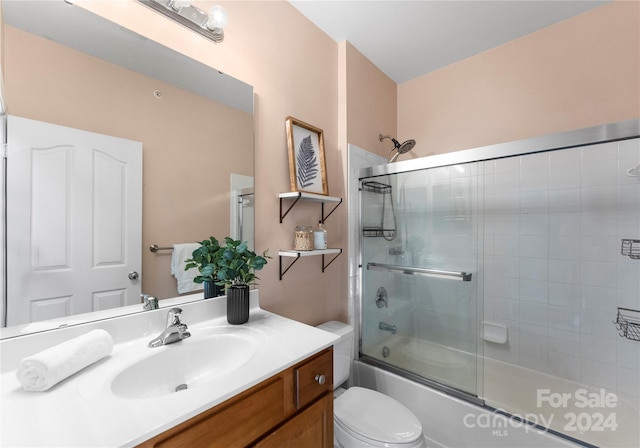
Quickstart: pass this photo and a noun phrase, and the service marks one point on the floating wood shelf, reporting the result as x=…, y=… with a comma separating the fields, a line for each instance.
x=297, y=254
x=311, y=197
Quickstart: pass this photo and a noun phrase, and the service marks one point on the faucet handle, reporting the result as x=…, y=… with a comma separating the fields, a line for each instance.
x=149, y=302
x=184, y=331
x=173, y=316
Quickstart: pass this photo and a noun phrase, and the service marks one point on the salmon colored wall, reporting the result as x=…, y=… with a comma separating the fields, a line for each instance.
x=577, y=73
x=293, y=67
x=2, y=165
x=371, y=103
x=1, y=69
x=183, y=136
x=367, y=99
x=581, y=72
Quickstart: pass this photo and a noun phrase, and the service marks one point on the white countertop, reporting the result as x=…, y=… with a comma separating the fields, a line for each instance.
x=82, y=411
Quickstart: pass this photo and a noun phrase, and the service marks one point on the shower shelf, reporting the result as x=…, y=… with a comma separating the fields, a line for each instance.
x=631, y=249
x=373, y=232
x=628, y=323
x=376, y=187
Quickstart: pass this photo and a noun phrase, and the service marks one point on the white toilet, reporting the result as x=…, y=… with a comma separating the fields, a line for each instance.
x=364, y=417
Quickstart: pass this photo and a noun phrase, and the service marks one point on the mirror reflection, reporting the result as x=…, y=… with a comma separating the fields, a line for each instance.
x=181, y=171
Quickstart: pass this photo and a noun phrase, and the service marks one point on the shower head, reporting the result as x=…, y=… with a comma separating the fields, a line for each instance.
x=401, y=148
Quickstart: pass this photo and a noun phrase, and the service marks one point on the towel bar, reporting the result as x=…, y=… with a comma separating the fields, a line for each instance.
x=155, y=248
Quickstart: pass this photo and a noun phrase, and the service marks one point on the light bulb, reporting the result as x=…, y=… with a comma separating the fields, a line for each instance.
x=217, y=18
x=177, y=5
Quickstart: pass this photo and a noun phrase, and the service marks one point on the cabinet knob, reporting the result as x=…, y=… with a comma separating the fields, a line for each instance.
x=320, y=379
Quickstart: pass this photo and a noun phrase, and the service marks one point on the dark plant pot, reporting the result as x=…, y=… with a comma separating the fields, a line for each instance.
x=212, y=290
x=238, y=304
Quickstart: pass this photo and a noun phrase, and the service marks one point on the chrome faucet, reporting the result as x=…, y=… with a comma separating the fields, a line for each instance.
x=174, y=331
x=149, y=302
x=388, y=327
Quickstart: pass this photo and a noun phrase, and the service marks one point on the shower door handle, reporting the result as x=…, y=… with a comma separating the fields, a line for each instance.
x=410, y=270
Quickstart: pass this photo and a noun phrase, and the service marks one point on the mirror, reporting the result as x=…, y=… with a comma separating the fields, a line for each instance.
x=66, y=66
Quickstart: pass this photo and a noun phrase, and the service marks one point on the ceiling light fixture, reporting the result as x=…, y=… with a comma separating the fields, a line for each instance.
x=182, y=11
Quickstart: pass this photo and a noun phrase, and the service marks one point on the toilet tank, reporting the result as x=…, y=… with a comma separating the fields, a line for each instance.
x=342, y=350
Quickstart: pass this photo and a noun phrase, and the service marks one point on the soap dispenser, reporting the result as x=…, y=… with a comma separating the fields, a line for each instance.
x=320, y=237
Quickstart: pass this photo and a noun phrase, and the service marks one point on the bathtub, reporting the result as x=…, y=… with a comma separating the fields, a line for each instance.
x=577, y=410
x=444, y=365
x=603, y=417
x=449, y=422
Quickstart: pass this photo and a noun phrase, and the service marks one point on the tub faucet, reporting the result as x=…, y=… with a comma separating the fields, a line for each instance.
x=174, y=331
x=388, y=327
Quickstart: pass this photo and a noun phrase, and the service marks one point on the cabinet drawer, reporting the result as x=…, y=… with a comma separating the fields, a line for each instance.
x=313, y=378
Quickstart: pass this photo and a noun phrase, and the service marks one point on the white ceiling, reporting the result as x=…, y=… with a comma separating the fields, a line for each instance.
x=406, y=39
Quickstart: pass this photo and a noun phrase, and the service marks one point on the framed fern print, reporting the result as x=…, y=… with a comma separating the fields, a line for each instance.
x=307, y=170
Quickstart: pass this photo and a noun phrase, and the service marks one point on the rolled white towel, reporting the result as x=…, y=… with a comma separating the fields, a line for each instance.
x=47, y=368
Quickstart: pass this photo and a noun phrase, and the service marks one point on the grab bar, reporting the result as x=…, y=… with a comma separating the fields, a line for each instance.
x=464, y=276
x=155, y=248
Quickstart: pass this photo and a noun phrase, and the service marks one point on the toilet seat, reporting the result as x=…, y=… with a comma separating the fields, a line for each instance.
x=375, y=417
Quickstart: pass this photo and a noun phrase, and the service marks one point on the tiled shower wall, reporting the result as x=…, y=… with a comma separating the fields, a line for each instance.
x=554, y=275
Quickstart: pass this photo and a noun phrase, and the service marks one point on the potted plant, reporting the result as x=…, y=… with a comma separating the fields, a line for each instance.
x=205, y=258
x=235, y=268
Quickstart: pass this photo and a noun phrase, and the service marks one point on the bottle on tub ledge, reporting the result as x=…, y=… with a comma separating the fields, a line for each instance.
x=320, y=237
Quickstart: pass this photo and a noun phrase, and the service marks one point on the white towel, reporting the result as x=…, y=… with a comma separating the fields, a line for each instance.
x=184, y=278
x=47, y=368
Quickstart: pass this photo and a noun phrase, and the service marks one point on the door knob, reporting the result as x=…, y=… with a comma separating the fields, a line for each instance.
x=133, y=275
x=320, y=379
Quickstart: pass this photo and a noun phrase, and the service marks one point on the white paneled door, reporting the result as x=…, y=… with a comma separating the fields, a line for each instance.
x=74, y=220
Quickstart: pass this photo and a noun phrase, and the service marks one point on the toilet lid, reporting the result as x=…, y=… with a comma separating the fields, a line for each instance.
x=376, y=416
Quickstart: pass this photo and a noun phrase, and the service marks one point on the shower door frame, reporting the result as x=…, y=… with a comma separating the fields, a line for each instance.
x=582, y=137
x=618, y=131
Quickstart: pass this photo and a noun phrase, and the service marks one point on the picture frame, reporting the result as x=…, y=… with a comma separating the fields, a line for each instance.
x=307, y=167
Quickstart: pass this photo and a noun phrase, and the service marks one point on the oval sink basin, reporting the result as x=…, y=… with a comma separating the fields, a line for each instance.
x=183, y=365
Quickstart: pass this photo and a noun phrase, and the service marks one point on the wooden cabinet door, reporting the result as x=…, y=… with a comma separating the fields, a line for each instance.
x=311, y=428
x=253, y=414
x=236, y=423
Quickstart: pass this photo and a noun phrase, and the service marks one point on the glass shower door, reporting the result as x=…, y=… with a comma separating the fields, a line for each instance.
x=419, y=270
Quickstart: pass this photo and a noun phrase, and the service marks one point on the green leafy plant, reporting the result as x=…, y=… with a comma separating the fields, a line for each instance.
x=205, y=258
x=236, y=264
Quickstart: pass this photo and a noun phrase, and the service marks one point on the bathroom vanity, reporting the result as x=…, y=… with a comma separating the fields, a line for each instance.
x=267, y=383
x=292, y=408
